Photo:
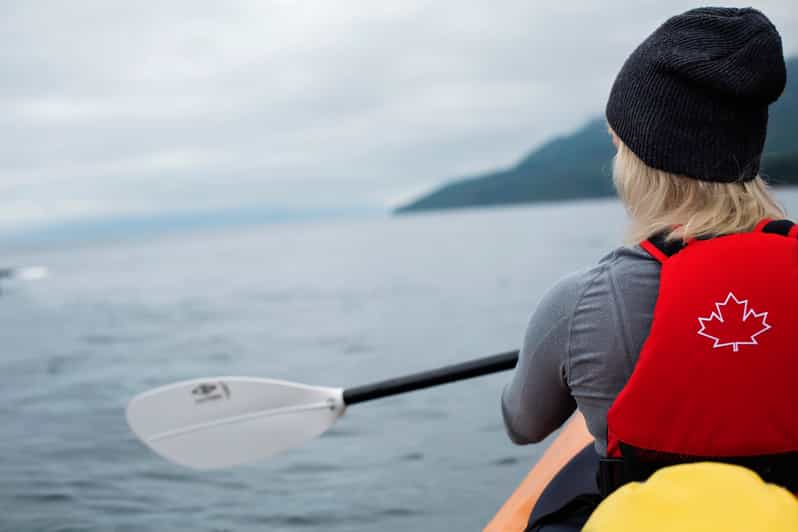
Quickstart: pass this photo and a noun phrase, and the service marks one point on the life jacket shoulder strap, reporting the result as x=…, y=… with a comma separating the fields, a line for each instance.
x=779, y=227
x=659, y=247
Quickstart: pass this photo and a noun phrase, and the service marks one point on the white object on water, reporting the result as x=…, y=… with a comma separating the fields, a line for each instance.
x=223, y=421
x=31, y=273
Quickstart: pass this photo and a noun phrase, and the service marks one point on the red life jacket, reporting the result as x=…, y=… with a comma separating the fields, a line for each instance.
x=718, y=373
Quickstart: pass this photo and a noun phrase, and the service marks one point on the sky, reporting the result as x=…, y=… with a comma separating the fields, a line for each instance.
x=142, y=108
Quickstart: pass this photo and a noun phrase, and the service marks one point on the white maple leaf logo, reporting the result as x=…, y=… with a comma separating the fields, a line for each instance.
x=733, y=324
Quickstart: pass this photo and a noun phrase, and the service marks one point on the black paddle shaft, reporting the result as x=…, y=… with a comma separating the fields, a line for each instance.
x=426, y=379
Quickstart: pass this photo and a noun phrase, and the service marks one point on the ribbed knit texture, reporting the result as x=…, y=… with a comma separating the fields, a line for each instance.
x=693, y=98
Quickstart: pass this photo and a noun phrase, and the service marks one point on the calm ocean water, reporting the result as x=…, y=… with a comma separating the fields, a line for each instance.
x=336, y=304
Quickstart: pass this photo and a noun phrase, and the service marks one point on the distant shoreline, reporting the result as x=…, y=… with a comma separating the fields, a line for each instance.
x=405, y=211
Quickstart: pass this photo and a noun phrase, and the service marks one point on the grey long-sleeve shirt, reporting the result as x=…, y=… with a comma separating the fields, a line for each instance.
x=581, y=346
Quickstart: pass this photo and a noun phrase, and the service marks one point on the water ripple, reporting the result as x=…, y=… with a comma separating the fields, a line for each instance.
x=506, y=461
x=44, y=497
x=310, y=467
x=321, y=519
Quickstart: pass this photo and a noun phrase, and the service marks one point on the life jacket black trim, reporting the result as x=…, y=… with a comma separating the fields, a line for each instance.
x=779, y=227
x=660, y=243
x=637, y=465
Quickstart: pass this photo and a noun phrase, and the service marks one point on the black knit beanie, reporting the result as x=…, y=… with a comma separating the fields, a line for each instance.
x=693, y=98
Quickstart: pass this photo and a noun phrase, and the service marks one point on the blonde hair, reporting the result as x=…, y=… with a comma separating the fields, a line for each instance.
x=687, y=208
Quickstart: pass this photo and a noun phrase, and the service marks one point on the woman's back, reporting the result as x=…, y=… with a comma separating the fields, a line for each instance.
x=582, y=348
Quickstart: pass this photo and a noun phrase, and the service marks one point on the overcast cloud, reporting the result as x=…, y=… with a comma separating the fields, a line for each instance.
x=137, y=107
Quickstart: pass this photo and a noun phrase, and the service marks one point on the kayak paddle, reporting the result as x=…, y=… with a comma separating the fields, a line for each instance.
x=224, y=421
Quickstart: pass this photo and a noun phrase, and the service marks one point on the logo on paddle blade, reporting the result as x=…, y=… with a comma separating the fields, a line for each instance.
x=204, y=389
x=733, y=324
x=208, y=391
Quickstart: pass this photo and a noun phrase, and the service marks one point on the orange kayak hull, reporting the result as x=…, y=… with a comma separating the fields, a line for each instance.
x=514, y=513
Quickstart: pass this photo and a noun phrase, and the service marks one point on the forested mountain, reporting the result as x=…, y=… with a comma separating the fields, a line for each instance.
x=578, y=165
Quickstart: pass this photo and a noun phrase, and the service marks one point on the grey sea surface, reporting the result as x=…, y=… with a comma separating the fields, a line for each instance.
x=335, y=303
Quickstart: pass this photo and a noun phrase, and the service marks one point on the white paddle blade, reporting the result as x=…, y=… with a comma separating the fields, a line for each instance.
x=224, y=421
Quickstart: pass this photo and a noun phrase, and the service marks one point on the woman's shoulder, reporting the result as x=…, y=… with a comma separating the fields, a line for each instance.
x=628, y=259
x=624, y=267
